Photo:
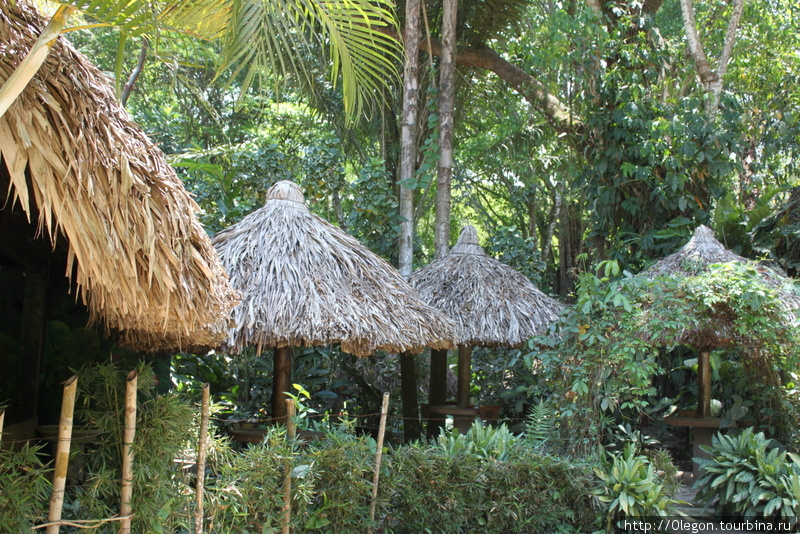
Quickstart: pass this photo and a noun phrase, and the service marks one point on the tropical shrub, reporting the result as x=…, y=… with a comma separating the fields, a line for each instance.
x=632, y=487
x=164, y=428
x=487, y=481
x=747, y=475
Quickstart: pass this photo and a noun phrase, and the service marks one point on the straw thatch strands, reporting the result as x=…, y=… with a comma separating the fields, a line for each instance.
x=490, y=303
x=140, y=259
x=306, y=282
x=694, y=258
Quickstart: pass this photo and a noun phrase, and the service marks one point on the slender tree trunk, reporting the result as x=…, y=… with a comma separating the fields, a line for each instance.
x=711, y=80
x=447, y=99
x=408, y=145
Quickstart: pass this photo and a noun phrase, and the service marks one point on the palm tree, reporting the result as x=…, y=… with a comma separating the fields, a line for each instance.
x=257, y=36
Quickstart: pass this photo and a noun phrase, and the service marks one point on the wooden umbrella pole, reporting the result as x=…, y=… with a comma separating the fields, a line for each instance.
x=464, y=375
x=704, y=384
x=378, y=456
x=126, y=493
x=202, y=446
x=287, y=471
x=62, y=454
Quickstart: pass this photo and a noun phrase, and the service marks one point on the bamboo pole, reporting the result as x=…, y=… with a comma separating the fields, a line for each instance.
x=378, y=456
x=201, y=461
x=287, y=472
x=62, y=455
x=2, y=420
x=126, y=493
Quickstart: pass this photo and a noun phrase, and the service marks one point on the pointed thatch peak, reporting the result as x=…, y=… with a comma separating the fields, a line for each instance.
x=702, y=250
x=306, y=282
x=140, y=259
x=468, y=242
x=491, y=303
x=288, y=191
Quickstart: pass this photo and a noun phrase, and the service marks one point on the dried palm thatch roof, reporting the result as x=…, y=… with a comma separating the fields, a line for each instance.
x=306, y=282
x=703, y=250
x=717, y=328
x=491, y=303
x=139, y=257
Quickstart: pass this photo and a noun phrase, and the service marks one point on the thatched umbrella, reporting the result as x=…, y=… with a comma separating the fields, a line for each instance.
x=140, y=259
x=702, y=251
x=490, y=303
x=306, y=282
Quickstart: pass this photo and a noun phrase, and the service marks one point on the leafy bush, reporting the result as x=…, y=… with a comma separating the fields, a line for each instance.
x=632, y=487
x=24, y=489
x=486, y=481
x=746, y=475
x=331, y=485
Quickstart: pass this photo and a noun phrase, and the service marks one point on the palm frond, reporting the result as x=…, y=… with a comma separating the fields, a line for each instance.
x=278, y=36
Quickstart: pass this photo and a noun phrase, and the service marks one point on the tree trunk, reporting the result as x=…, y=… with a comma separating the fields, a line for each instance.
x=446, y=105
x=710, y=80
x=408, y=145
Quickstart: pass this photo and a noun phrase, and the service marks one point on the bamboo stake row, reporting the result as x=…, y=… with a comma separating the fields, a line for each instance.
x=63, y=446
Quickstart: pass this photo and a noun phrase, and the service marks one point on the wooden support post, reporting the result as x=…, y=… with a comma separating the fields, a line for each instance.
x=408, y=394
x=287, y=472
x=437, y=389
x=126, y=492
x=62, y=455
x=464, y=375
x=202, y=446
x=2, y=421
x=704, y=384
x=281, y=381
x=378, y=455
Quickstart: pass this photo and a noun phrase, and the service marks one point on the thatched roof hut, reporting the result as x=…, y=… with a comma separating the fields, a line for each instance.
x=306, y=282
x=490, y=303
x=716, y=329
x=86, y=174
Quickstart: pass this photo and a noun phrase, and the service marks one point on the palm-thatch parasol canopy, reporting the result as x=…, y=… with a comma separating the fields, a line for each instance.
x=140, y=259
x=704, y=250
x=490, y=303
x=716, y=329
x=306, y=282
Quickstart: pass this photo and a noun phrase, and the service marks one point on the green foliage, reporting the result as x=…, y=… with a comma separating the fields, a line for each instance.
x=331, y=484
x=484, y=441
x=632, y=488
x=164, y=428
x=601, y=368
x=453, y=490
x=24, y=488
x=748, y=475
